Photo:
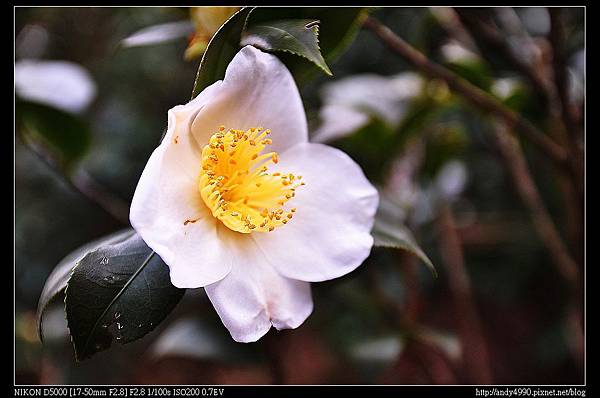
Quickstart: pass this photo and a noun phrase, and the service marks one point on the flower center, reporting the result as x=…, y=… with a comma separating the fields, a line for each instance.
x=235, y=184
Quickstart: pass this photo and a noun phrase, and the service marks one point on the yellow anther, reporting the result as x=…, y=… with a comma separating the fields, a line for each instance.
x=236, y=185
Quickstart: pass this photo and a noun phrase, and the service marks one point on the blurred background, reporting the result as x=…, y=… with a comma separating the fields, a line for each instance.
x=93, y=86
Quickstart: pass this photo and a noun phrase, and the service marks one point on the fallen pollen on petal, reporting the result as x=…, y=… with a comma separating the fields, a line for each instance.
x=186, y=222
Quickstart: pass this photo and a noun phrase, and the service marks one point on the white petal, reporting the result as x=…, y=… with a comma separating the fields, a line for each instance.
x=61, y=84
x=253, y=296
x=338, y=121
x=384, y=96
x=167, y=195
x=258, y=91
x=329, y=235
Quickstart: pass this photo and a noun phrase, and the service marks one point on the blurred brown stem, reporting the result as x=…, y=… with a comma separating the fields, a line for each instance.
x=409, y=265
x=573, y=190
x=475, y=354
x=517, y=165
x=554, y=93
x=560, y=257
x=472, y=93
x=562, y=127
x=495, y=41
x=272, y=348
x=557, y=40
x=84, y=184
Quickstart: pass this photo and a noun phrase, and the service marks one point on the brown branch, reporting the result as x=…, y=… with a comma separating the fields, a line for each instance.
x=547, y=231
x=472, y=93
x=409, y=264
x=573, y=129
x=495, y=41
x=84, y=184
x=475, y=354
x=97, y=193
x=561, y=129
x=556, y=37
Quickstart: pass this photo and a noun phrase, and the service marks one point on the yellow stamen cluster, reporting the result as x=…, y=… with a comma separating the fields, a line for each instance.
x=235, y=185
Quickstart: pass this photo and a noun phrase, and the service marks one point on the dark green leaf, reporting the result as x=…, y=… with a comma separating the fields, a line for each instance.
x=398, y=236
x=474, y=71
x=66, y=135
x=220, y=51
x=296, y=36
x=121, y=290
x=57, y=281
x=337, y=26
x=337, y=29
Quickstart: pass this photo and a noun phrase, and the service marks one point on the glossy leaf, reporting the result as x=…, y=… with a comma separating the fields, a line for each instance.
x=66, y=135
x=296, y=36
x=121, y=290
x=337, y=29
x=220, y=51
x=337, y=26
x=398, y=236
x=57, y=281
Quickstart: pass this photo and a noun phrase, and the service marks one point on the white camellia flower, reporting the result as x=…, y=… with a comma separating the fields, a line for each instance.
x=253, y=226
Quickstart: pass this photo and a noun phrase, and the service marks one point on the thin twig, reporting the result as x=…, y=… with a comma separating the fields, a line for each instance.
x=547, y=231
x=570, y=182
x=472, y=93
x=84, y=184
x=557, y=37
x=475, y=354
x=496, y=42
x=561, y=94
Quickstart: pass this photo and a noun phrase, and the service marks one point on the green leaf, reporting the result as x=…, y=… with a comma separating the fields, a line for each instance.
x=57, y=281
x=337, y=26
x=296, y=36
x=398, y=236
x=121, y=290
x=66, y=135
x=220, y=51
x=474, y=71
x=337, y=29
